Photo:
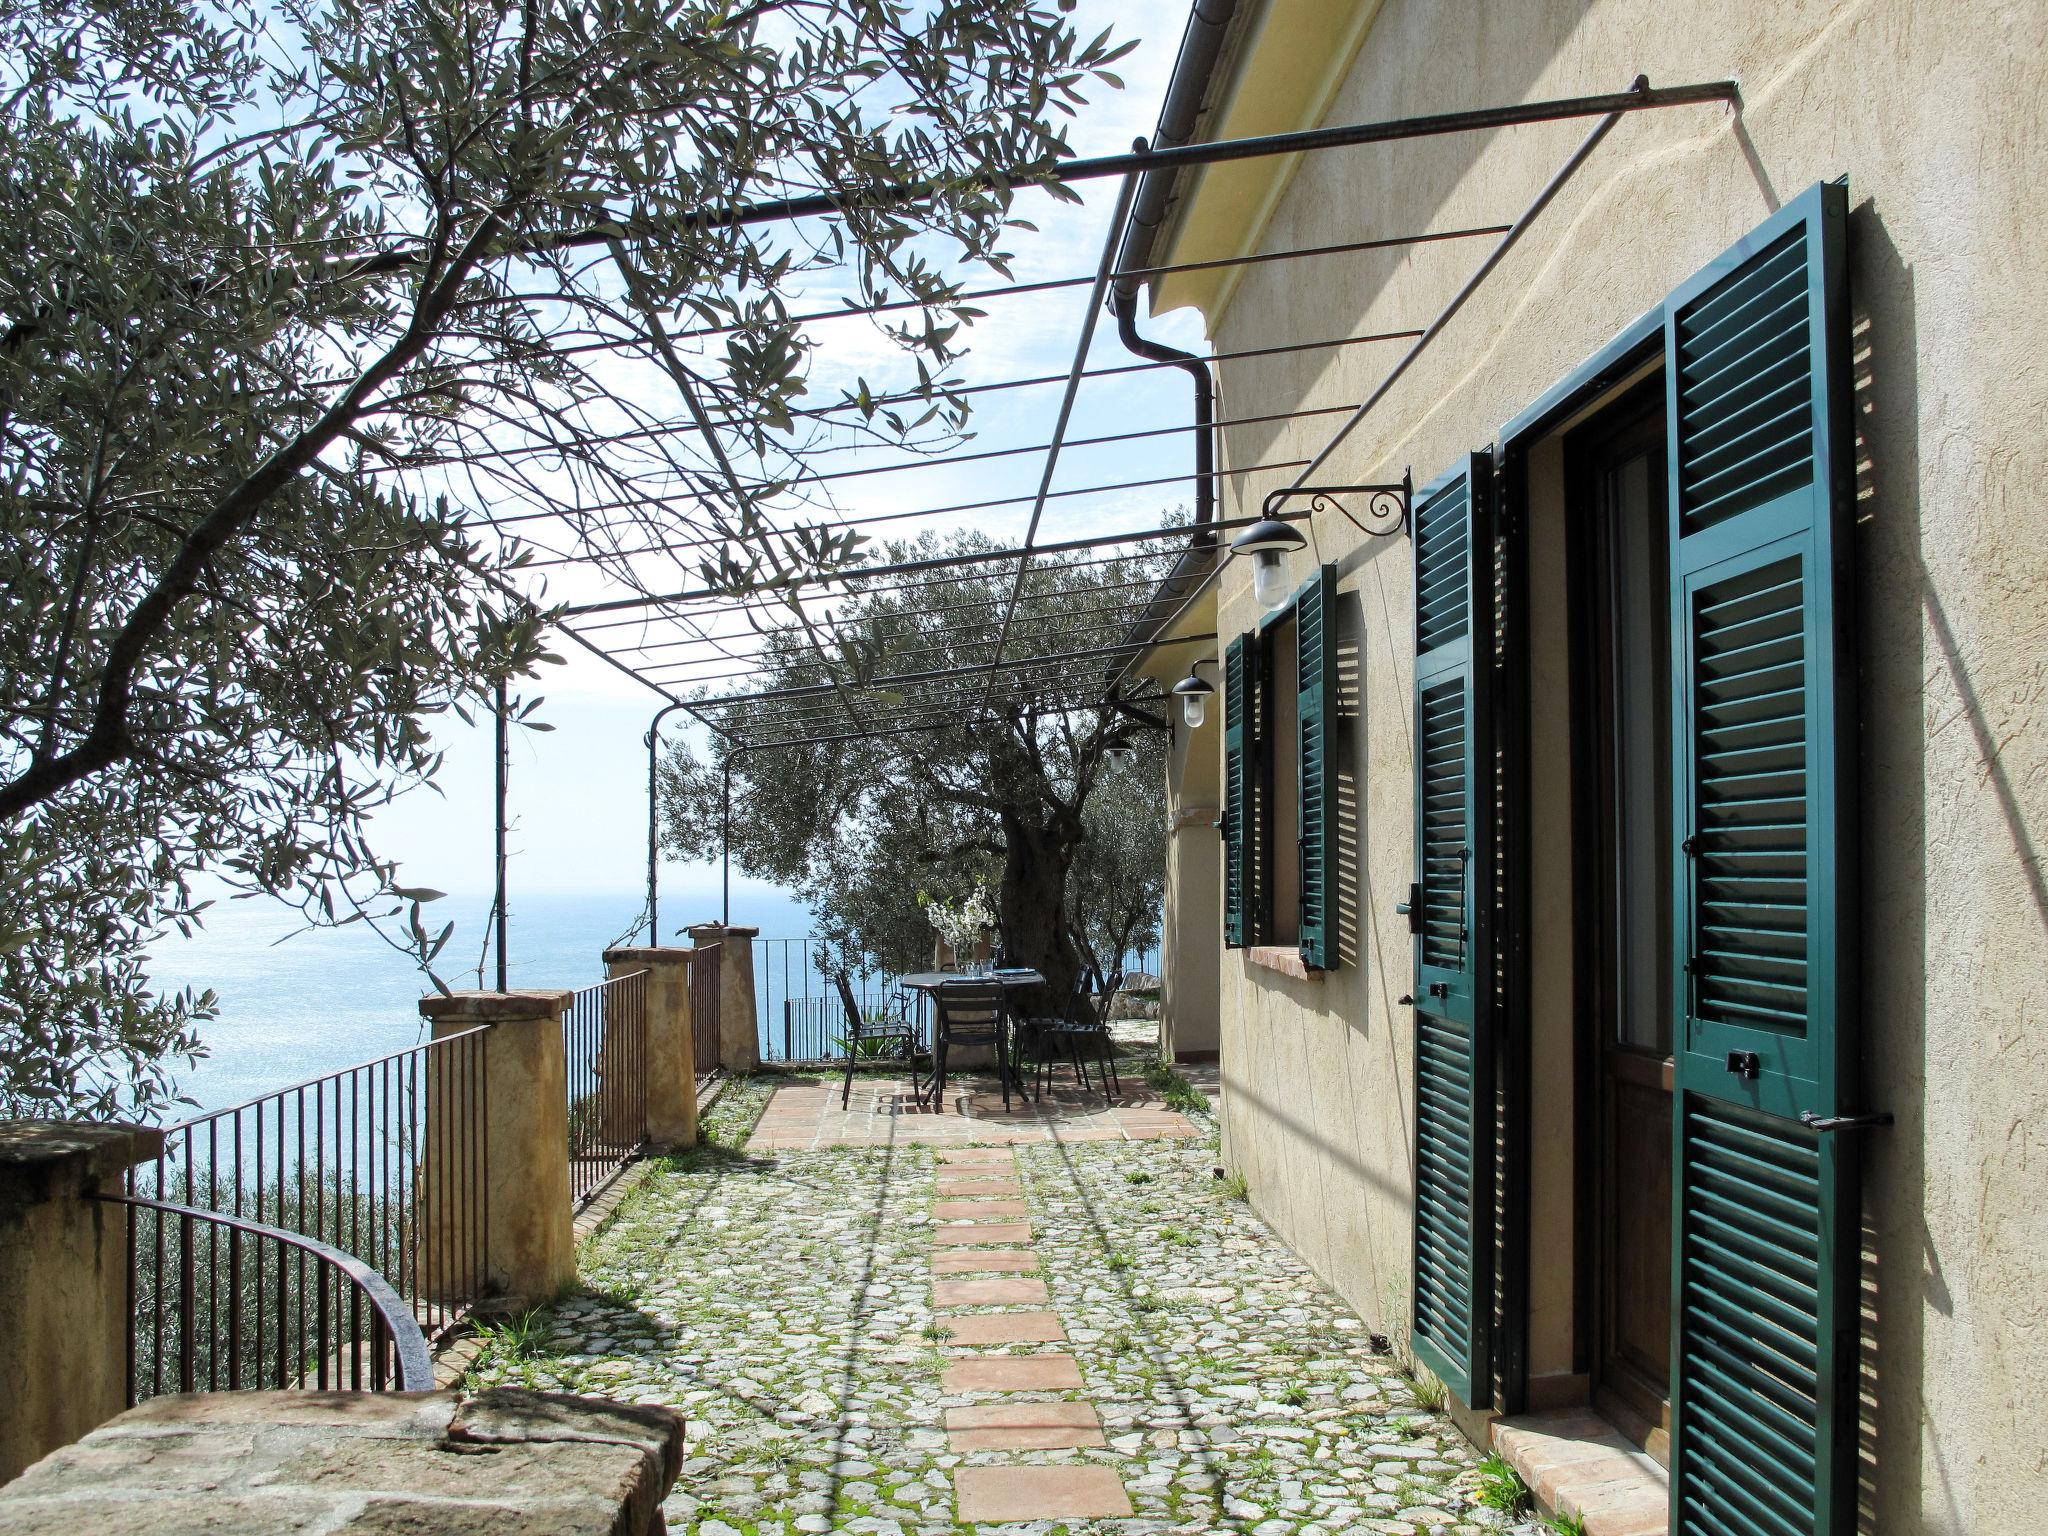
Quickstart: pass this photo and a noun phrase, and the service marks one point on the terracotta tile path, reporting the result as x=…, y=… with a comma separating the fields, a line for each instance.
x=1028, y=1491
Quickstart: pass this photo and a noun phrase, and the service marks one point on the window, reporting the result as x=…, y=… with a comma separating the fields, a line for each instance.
x=1279, y=778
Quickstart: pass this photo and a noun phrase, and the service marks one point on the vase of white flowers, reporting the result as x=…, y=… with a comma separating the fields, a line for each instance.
x=965, y=927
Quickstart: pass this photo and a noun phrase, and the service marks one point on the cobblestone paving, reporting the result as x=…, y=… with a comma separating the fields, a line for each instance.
x=783, y=1301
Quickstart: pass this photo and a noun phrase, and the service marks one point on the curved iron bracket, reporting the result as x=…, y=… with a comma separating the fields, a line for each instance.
x=1387, y=505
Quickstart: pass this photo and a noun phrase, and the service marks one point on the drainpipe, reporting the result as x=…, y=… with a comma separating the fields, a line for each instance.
x=1200, y=46
x=1124, y=301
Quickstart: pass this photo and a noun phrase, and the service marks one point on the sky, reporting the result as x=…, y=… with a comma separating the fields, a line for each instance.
x=578, y=794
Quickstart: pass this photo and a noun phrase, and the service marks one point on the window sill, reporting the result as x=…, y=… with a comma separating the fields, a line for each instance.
x=1284, y=958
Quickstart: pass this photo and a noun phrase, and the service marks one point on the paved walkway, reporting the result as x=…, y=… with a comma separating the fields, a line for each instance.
x=1031, y=1339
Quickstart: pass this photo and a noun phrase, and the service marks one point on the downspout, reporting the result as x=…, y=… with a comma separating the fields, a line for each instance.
x=1124, y=301
x=1200, y=46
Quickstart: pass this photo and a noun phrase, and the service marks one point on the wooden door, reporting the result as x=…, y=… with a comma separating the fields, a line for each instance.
x=1618, y=464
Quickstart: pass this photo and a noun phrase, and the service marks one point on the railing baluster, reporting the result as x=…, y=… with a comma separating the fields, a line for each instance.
x=352, y=1186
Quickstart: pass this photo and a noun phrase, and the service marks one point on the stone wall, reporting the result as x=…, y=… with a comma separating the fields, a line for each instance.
x=426, y=1463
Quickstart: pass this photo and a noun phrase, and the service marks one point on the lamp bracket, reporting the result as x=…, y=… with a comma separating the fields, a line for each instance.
x=1387, y=505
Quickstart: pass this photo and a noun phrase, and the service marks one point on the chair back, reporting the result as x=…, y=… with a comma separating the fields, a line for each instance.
x=850, y=1003
x=1107, y=1001
x=969, y=1013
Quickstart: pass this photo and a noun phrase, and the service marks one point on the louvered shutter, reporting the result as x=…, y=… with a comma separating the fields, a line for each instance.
x=1765, y=1219
x=1315, y=645
x=1453, y=1078
x=1236, y=844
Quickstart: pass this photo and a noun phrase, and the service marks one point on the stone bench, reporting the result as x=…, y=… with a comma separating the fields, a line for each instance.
x=500, y=1463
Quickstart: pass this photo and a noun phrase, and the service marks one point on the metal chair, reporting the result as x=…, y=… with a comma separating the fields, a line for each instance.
x=1086, y=1023
x=893, y=1032
x=969, y=1013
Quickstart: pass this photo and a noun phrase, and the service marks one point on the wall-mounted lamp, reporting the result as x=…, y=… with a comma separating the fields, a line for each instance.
x=1267, y=542
x=1194, y=696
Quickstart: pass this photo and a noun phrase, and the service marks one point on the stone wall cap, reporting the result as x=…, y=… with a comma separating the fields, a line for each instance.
x=42, y=1158
x=272, y=1462
x=738, y=933
x=644, y=954
x=526, y=1003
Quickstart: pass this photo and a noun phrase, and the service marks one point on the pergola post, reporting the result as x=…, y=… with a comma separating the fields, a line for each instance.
x=739, y=1036
x=64, y=1261
x=670, y=1057
x=529, y=1247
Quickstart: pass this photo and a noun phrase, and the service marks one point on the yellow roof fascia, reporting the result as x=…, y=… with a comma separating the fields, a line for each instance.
x=1287, y=74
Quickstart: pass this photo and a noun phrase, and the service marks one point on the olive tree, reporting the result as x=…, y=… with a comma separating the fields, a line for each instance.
x=862, y=825
x=328, y=326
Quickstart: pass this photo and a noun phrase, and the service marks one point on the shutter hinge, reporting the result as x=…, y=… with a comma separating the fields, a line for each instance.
x=1689, y=847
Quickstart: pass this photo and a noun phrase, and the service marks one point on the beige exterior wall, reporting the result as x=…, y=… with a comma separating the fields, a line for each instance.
x=1191, y=932
x=1934, y=114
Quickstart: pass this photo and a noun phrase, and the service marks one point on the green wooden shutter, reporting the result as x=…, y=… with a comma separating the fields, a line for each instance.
x=1315, y=645
x=1765, y=1230
x=1236, y=844
x=1453, y=1076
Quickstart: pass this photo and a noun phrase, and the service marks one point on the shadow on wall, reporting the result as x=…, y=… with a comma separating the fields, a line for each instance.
x=1890, y=581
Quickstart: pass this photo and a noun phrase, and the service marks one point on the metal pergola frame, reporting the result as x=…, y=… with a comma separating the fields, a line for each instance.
x=1030, y=680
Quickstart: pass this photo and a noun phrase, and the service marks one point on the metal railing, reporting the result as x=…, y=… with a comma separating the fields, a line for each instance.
x=801, y=1016
x=297, y=1312
x=706, y=998
x=604, y=1039
x=379, y=1165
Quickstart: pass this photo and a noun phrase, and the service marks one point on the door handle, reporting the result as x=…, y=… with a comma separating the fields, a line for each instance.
x=1865, y=1122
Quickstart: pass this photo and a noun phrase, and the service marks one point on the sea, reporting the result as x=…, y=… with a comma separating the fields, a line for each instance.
x=298, y=1003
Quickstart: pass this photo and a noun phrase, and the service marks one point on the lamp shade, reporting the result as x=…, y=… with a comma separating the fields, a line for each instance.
x=1194, y=696
x=1268, y=534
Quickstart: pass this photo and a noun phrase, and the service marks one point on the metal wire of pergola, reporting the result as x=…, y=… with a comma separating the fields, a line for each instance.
x=1038, y=626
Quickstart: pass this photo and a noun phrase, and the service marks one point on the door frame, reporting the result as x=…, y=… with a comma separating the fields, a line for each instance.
x=1589, y=601
x=1636, y=344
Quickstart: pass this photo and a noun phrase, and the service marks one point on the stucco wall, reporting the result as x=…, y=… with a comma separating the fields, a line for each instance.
x=1191, y=932
x=1934, y=113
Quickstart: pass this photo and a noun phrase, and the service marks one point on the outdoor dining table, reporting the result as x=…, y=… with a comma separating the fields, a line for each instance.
x=1011, y=979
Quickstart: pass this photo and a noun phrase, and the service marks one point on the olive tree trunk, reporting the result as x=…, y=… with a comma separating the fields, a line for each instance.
x=1031, y=905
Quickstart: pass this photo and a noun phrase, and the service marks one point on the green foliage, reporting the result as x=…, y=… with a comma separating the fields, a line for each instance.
x=1119, y=1261
x=1177, y=1092
x=292, y=297
x=872, y=831
x=517, y=1337
x=1500, y=1487
x=1137, y=1176
x=1234, y=1186
x=1294, y=1395
x=1430, y=1393
x=1175, y=1237
x=1573, y=1524
x=1404, y=1427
